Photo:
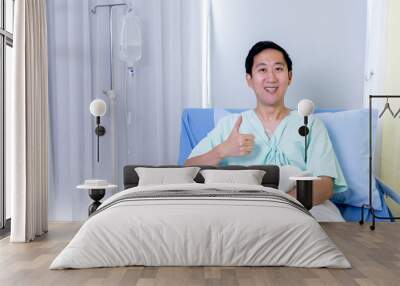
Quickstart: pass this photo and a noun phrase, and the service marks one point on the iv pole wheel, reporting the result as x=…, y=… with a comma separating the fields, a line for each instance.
x=372, y=227
x=361, y=222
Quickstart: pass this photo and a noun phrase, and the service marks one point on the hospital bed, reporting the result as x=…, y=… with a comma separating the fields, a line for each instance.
x=197, y=122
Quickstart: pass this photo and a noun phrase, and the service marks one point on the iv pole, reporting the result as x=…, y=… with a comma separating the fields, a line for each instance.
x=111, y=93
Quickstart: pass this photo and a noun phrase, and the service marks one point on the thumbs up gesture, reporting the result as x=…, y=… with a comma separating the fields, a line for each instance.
x=237, y=144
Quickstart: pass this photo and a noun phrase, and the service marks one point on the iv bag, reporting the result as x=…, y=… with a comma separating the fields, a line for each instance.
x=131, y=40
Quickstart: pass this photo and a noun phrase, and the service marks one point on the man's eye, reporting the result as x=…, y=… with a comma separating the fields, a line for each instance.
x=262, y=70
x=279, y=69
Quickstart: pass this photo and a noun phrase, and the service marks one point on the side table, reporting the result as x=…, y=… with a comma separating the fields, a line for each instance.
x=97, y=190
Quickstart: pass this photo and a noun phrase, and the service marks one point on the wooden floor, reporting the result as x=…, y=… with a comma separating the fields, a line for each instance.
x=374, y=255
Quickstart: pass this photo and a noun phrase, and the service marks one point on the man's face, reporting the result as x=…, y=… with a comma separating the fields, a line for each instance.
x=270, y=78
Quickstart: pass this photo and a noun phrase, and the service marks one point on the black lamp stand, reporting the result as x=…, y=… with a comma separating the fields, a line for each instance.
x=305, y=193
x=303, y=131
x=100, y=131
x=305, y=187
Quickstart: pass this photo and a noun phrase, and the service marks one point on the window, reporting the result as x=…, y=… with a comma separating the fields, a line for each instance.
x=7, y=62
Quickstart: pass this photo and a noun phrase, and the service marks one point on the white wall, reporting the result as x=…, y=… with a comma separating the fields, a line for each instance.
x=325, y=39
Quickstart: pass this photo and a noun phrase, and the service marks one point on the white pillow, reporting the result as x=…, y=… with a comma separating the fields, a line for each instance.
x=248, y=177
x=285, y=172
x=163, y=176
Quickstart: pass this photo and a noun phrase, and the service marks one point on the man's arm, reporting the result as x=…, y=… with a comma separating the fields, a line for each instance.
x=212, y=157
x=322, y=190
x=236, y=144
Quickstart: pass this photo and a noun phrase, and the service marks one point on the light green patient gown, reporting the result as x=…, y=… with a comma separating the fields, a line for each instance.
x=285, y=147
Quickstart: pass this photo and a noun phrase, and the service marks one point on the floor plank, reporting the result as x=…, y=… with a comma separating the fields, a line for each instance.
x=374, y=255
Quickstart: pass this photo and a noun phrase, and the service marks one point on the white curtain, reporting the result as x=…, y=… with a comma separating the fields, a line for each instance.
x=375, y=67
x=27, y=123
x=71, y=133
x=167, y=79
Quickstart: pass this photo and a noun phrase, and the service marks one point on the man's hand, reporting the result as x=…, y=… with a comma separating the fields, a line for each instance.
x=237, y=144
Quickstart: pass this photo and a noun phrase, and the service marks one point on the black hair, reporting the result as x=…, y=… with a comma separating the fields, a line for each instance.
x=261, y=46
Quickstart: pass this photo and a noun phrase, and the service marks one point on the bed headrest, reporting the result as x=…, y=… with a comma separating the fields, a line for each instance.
x=270, y=179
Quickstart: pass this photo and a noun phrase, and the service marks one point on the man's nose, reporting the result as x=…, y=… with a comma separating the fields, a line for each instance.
x=270, y=76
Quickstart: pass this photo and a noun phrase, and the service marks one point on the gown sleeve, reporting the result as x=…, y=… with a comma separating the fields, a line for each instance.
x=215, y=137
x=322, y=159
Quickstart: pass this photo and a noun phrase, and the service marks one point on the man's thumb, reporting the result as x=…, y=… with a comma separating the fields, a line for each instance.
x=238, y=123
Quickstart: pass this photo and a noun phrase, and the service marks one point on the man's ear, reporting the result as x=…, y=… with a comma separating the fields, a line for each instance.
x=290, y=77
x=249, y=80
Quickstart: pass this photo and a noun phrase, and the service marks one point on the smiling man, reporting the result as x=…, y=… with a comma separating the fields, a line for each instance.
x=268, y=134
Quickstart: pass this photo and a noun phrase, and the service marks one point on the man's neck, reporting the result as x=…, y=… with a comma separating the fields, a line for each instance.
x=272, y=113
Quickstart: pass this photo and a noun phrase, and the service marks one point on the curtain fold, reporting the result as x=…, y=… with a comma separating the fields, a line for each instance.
x=28, y=123
x=72, y=137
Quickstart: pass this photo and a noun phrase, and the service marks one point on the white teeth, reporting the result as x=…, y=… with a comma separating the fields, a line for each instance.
x=271, y=89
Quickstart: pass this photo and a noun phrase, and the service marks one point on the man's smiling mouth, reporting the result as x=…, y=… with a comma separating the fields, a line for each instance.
x=271, y=89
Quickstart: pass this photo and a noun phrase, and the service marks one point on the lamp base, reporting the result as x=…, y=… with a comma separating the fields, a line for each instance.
x=100, y=130
x=305, y=193
x=303, y=130
x=96, y=195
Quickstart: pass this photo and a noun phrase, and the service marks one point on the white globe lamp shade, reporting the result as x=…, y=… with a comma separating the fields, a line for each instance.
x=98, y=107
x=305, y=107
